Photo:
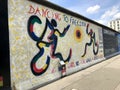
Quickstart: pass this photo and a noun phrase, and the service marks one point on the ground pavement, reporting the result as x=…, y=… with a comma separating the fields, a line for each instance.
x=102, y=76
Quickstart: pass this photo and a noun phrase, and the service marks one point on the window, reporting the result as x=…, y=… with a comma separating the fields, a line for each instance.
x=110, y=25
x=117, y=22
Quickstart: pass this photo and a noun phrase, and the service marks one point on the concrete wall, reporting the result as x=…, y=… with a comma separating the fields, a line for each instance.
x=118, y=36
x=110, y=39
x=41, y=37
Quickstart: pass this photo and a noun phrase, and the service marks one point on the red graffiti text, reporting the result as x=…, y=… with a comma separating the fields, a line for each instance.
x=44, y=12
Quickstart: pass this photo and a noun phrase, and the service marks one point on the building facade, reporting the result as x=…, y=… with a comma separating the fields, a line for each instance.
x=115, y=24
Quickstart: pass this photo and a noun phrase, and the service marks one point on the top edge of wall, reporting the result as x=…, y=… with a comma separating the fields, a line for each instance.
x=59, y=8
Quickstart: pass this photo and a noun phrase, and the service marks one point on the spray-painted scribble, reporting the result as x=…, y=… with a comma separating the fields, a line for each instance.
x=92, y=41
x=52, y=42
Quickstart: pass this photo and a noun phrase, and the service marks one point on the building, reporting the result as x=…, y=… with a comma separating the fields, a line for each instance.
x=115, y=24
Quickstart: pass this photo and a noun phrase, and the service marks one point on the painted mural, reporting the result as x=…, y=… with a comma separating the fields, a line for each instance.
x=51, y=42
x=41, y=37
x=92, y=41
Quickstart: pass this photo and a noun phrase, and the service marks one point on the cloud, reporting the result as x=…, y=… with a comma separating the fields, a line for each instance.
x=100, y=21
x=117, y=15
x=93, y=9
x=109, y=15
x=111, y=12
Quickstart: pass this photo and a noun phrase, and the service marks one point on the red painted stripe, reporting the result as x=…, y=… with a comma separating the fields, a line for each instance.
x=36, y=69
x=31, y=27
x=1, y=78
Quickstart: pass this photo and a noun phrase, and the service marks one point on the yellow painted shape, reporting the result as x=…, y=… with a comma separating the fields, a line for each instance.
x=11, y=19
x=1, y=83
x=77, y=28
x=44, y=67
x=56, y=33
x=17, y=38
x=15, y=32
x=66, y=62
x=41, y=44
x=12, y=66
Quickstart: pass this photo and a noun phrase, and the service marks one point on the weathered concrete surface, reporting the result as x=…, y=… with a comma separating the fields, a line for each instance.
x=102, y=76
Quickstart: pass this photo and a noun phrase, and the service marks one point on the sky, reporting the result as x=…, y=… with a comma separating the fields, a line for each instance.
x=101, y=11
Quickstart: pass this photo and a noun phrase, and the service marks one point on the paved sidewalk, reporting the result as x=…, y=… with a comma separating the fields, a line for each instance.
x=102, y=76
